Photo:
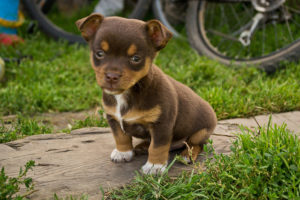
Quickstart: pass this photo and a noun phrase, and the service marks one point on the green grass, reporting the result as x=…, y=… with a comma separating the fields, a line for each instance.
x=89, y=121
x=20, y=128
x=58, y=77
x=82, y=197
x=266, y=166
x=55, y=79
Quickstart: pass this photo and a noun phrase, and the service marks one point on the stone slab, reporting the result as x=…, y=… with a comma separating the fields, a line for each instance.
x=77, y=163
x=231, y=126
x=291, y=119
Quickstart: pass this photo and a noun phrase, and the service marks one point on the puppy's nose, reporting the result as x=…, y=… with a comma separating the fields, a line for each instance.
x=112, y=77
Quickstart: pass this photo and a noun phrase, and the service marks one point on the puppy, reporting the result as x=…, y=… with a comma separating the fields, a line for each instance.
x=138, y=98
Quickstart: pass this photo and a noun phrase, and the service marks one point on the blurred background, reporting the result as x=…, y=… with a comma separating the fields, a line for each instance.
x=240, y=55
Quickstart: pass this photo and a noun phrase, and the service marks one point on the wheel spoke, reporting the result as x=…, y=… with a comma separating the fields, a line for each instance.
x=211, y=14
x=288, y=24
x=275, y=31
x=263, y=37
x=248, y=51
x=225, y=36
x=295, y=22
x=220, y=43
x=238, y=55
x=293, y=10
x=227, y=21
x=247, y=10
x=40, y=4
x=222, y=17
x=229, y=46
x=235, y=15
x=297, y=12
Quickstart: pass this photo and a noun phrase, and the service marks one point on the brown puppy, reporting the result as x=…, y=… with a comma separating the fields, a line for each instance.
x=138, y=98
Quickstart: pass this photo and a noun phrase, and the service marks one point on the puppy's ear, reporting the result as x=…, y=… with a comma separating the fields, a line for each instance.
x=89, y=25
x=158, y=33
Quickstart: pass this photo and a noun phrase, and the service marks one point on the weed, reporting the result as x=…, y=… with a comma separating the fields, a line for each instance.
x=10, y=187
x=82, y=197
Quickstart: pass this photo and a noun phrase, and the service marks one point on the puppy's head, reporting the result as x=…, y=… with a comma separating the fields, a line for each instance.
x=122, y=50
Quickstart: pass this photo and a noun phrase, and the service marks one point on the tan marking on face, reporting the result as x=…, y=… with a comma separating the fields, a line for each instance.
x=99, y=71
x=123, y=141
x=104, y=45
x=199, y=137
x=158, y=155
x=131, y=77
x=131, y=50
x=142, y=116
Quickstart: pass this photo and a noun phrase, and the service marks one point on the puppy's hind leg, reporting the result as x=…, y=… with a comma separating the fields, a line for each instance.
x=195, y=145
x=142, y=147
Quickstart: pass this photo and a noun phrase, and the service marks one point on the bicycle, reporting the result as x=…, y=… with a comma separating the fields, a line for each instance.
x=45, y=13
x=234, y=32
x=263, y=33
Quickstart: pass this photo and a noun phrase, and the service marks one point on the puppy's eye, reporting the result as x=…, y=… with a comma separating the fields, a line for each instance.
x=100, y=54
x=135, y=59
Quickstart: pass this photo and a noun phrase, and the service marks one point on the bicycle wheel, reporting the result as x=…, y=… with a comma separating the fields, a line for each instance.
x=55, y=22
x=217, y=29
x=171, y=13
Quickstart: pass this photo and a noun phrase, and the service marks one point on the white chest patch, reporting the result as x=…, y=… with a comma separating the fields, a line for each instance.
x=121, y=103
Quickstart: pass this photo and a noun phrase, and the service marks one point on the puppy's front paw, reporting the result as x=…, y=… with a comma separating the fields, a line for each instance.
x=118, y=156
x=150, y=168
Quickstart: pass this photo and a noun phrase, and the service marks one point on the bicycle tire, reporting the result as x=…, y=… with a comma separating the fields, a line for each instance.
x=59, y=34
x=140, y=9
x=160, y=15
x=197, y=40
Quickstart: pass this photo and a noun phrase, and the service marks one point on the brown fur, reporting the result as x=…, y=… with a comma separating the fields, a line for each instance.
x=123, y=141
x=158, y=108
x=109, y=110
x=198, y=137
x=142, y=148
x=158, y=154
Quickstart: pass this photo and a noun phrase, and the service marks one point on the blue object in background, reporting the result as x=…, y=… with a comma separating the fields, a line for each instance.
x=9, y=11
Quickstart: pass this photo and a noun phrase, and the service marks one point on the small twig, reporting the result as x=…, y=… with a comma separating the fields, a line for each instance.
x=223, y=135
x=29, y=193
x=258, y=126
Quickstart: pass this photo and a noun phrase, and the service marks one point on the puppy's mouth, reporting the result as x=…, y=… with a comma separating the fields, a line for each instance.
x=112, y=90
